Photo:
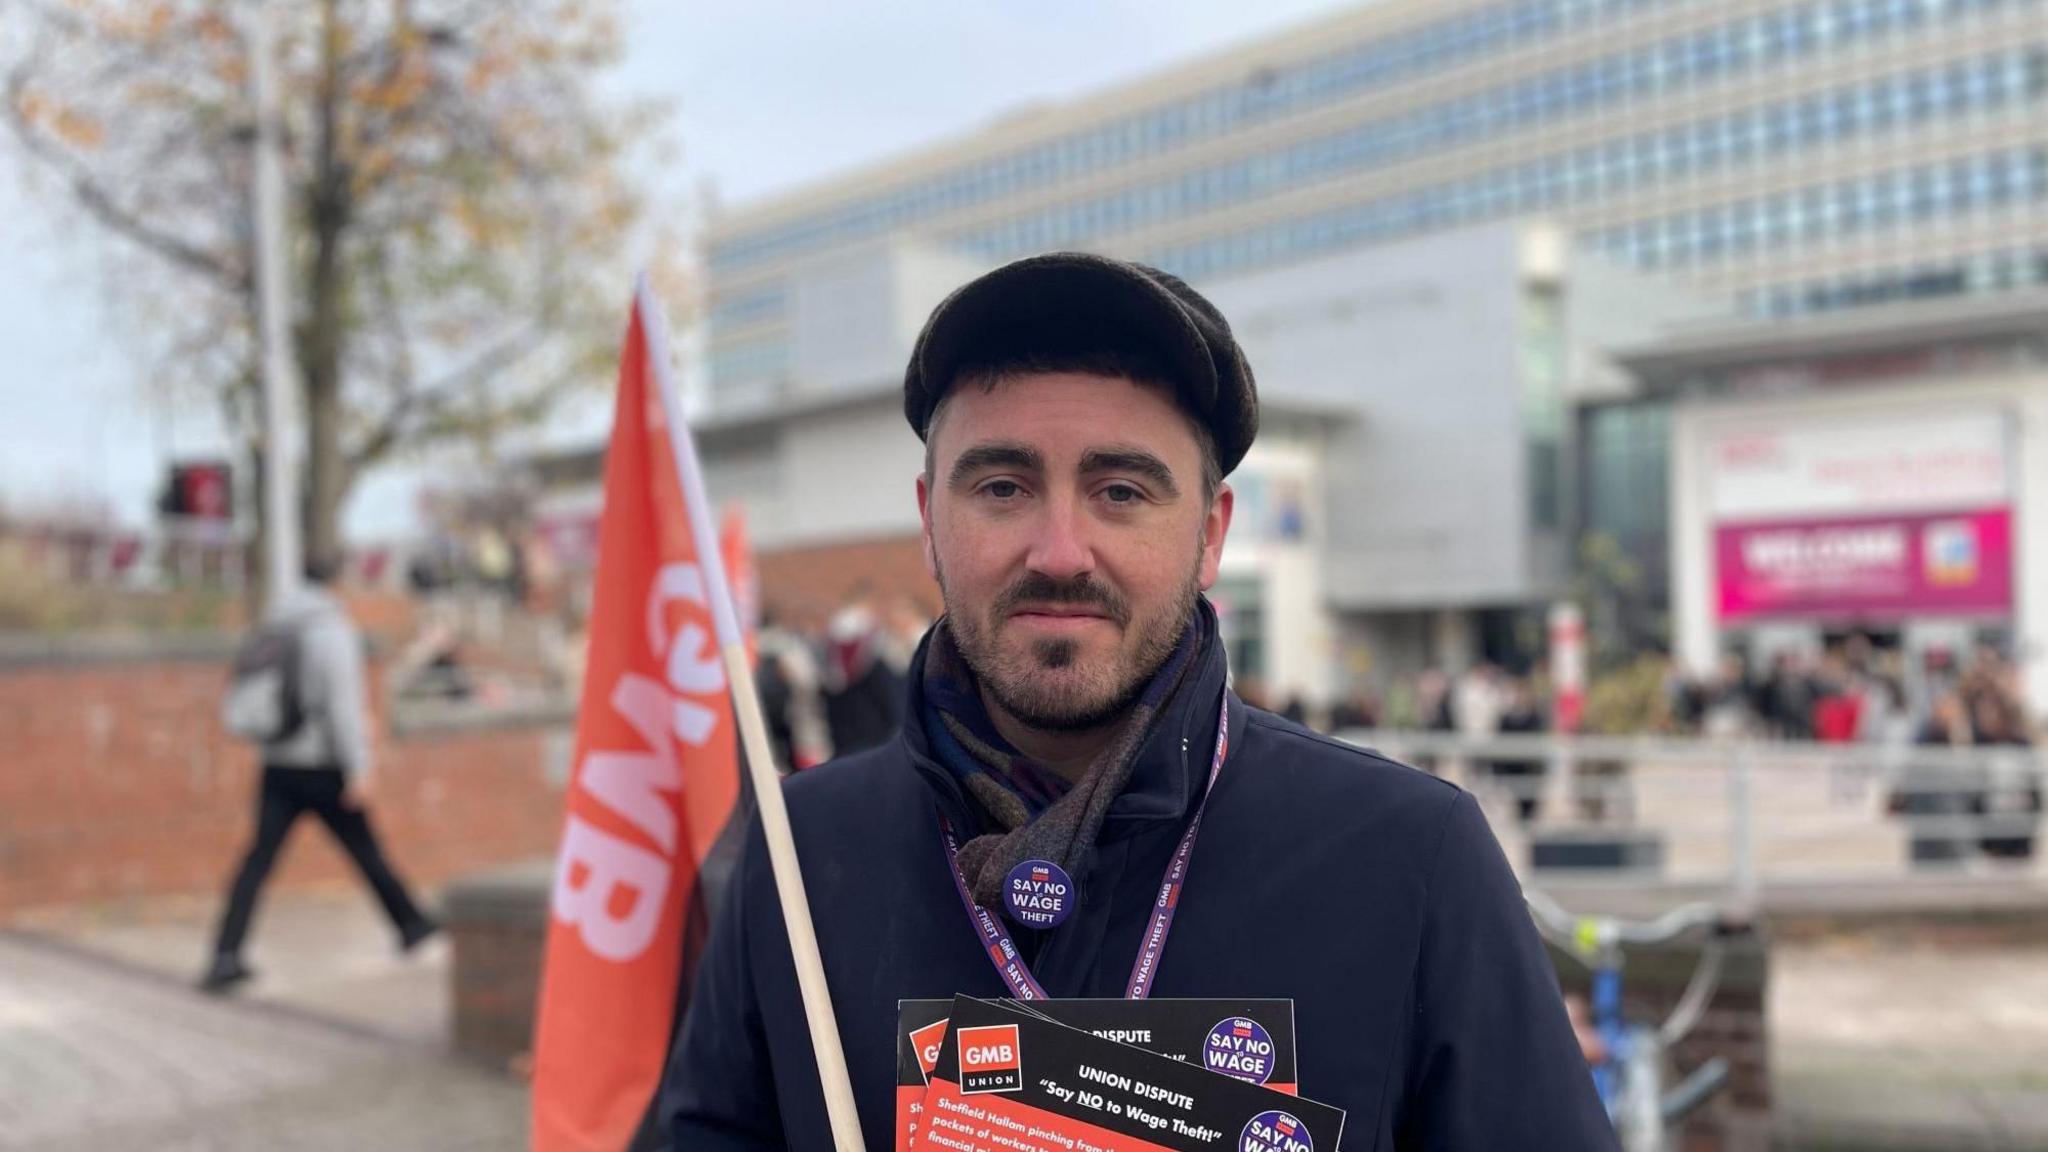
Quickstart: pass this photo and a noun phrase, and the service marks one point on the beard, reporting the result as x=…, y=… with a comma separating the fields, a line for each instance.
x=1052, y=684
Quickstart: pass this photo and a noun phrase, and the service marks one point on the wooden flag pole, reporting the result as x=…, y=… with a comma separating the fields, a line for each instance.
x=789, y=879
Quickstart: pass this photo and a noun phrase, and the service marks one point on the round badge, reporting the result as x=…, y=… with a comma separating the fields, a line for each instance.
x=1038, y=894
x=1239, y=1046
x=1275, y=1132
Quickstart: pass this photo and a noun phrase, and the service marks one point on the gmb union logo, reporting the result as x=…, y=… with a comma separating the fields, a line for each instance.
x=990, y=1060
x=1275, y=1132
x=925, y=1042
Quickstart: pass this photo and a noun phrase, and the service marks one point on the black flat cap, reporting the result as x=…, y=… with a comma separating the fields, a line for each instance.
x=1067, y=304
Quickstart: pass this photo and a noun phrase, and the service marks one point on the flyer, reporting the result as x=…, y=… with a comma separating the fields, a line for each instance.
x=1250, y=1039
x=1008, y=1079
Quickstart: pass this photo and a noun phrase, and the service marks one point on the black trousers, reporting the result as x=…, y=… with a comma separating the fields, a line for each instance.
x=285, y=793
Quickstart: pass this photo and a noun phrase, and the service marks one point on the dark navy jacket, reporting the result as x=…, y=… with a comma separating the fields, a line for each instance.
x=1372, y=894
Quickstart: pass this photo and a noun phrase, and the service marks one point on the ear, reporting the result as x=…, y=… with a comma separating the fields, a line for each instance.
x=1215, y=526
x=924, y=518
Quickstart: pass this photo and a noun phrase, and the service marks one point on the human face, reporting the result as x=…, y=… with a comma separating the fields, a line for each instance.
x=1065, y=523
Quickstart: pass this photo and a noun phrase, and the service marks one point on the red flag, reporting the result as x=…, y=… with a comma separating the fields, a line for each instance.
x=656, y=780
x=742, y=577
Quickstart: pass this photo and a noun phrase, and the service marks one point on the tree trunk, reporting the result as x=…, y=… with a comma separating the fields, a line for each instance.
x=256, y=593
x=328, y=208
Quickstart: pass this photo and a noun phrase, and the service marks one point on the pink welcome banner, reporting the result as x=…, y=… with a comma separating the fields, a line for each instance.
x=1955, y=564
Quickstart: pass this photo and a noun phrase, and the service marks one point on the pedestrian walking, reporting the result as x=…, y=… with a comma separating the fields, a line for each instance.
x=298, y=692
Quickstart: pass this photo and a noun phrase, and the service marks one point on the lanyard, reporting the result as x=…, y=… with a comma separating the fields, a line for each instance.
x=1002, y=951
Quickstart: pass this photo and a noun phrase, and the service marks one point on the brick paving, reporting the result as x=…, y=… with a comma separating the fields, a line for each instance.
x=99, y=1051
x=1890, y=1044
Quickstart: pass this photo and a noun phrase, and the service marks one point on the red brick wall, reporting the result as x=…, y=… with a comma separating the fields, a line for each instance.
x=116, y=781
x=815, y=581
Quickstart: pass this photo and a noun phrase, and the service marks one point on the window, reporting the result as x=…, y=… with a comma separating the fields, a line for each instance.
x=1822, y=209
x=1744, y=221
x=1883, y=200
x=1998, y=175
x=1919, y=194
x=1646, y=245
x=1952, y=88
x=749, y=307
x=1808, y=118
x=1777, y=128
x=1920, y=96
x=1902, y=101
x=1710, y=143
x=2031, y=174
x=1851, y=206
x=1677, y=155
x=1713, y=234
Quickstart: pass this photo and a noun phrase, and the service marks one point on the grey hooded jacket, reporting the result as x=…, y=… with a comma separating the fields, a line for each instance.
x=332, y=688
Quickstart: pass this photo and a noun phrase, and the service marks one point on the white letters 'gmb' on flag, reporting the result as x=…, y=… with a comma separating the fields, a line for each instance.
x=656, y=781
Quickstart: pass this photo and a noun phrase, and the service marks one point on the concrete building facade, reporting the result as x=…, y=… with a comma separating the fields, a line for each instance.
x=1407, y=502
x=1786, y=156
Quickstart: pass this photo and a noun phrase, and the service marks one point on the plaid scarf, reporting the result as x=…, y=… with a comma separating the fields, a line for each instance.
x=1041, y=815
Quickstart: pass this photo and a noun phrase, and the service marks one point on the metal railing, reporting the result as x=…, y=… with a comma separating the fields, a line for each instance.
x=1745, y=814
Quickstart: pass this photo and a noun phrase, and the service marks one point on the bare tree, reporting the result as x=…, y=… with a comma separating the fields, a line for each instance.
x=458, y=192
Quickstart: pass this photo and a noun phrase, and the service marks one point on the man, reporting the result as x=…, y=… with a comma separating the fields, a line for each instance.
x=863, y=691
x=792, y=697
x=322, y=766
x=1078, y=415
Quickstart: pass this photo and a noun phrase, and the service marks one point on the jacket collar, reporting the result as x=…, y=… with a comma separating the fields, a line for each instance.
x=1172, y=766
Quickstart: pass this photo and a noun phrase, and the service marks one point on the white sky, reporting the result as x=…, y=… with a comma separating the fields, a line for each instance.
x=768, y=94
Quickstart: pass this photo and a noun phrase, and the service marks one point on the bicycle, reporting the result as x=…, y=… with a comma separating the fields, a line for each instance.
x=1631, y=1076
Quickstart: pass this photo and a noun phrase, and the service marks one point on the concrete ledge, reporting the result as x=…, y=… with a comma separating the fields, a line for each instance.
x=27, y=650
x=515, y=894
x=498, y=923
x=419, y=718
x=1635, y=852
x=2000, y=909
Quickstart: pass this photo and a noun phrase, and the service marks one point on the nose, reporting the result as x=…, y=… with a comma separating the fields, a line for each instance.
x=1061, y=549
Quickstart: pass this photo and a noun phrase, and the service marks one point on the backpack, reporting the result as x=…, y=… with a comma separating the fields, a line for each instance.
x=265, y=700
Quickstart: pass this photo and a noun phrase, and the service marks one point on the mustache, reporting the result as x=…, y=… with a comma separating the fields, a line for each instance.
x=1036, y=588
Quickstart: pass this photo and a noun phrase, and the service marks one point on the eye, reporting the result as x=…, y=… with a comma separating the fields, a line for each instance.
x=1122, y=494
x=1003, y=489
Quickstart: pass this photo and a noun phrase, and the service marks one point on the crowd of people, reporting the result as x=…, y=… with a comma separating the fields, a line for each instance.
x=1852, y=693
x=1848, y=694
x=1856, y=692
x=832, y=683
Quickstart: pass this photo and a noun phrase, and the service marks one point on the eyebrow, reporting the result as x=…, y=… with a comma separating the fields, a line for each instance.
x=1135, y=461
x=1000, y=454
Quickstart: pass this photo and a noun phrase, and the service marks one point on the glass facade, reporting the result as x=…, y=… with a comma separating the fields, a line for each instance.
x=1623, y=500
x=1415, y=52
x=1606, y=186
x=1543, y=405
x=1635, y=163
x=1883, y=200
x=1624, y=457
x=744, y=366
x=1994, y=271
x=1241, y=610
x=1763, y=40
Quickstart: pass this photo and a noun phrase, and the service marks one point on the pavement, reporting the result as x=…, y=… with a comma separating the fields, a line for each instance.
x=338, y=1044
x=1882, y=1044
x=1876, y=1044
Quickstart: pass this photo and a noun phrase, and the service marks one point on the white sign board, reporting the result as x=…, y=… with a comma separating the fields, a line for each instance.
x=1909, y=462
